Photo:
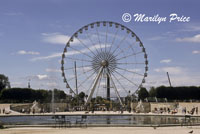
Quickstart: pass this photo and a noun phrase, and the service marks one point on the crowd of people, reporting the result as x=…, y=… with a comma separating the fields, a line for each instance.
x=161, y=110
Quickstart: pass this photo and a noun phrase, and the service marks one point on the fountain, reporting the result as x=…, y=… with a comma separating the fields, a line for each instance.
x=140, y=107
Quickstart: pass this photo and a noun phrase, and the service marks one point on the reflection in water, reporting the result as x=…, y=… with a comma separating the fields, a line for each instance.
x=102, y=119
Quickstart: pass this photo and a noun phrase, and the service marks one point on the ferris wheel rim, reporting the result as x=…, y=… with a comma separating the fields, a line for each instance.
x=98, y=23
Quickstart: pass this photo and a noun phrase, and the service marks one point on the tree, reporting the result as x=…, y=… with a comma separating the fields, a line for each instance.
x=4, y=82
x=81, y=95
x=152, y=92
x=178, y=93
x=30, y=95
x=99, y=100
x=143, y=93
x=17, y=95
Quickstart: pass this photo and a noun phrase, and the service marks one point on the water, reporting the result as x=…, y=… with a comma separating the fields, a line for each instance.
x=134, y=120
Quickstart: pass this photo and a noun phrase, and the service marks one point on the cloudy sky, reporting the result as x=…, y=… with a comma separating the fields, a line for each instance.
x=33, y=33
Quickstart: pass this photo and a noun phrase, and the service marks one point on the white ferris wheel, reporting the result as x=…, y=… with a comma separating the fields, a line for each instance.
x=106, y=59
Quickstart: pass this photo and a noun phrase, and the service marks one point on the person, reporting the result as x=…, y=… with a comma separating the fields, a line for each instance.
x=156, y=110
x=196, y=110
x=184, y=110
x=168, y=109
x=33, y=111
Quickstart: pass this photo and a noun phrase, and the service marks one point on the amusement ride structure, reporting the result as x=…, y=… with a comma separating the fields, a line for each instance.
x=104, y=57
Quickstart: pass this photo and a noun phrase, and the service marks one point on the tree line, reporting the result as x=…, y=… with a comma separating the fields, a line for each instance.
x=8, y=94
x=171, y=93
x=22, y=95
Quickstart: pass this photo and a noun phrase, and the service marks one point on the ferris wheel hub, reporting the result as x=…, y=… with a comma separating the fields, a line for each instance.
x=104, y=63
x=105, y=60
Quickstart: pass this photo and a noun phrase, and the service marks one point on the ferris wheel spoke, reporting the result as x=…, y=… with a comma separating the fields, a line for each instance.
x=130, y=71
x=126, y=78
x=129, y=63
x=86, y=79
x=71, y=79
x=112, y=59
x=123, y=50
x=137, y=89
x=97, y=32
x=81, y=52
x=81, y=74
x=120, y=43
x=76, y=59
x=78, y=67
x=134, y=54
x=113, y=40
x=86, y=46
x=92, y=42
x=87, y=71
x=119, y=82
x=98, y=58
x=106, y=37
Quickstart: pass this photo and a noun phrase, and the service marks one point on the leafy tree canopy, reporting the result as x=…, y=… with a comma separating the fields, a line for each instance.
x=143, y=93
x=4, y=82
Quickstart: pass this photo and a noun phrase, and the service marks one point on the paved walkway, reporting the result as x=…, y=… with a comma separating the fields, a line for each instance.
x=103, y=130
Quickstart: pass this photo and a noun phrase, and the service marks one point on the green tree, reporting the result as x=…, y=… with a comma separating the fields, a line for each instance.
x=152, y=92
x=30, y=95
x=17, y=95
x=59, y=95
x=4, y=82
x=99, y=100
x=178, y=93
x=81, y=95
x=143, y=93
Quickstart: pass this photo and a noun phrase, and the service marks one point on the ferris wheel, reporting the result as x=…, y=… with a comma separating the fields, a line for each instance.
x=106, y=59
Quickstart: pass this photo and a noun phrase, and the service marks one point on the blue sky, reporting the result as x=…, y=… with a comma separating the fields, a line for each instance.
x=32, y=32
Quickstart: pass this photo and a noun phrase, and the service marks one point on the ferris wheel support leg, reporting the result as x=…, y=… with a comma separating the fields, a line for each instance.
x=94, y=86
x=116, y=91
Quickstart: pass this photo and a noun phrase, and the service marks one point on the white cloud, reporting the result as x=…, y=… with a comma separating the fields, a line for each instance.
x=41, y=77
x=52, y=70
x=55, y=38
x=23, y=52
x=55, y=55
x=58, y=38
x=171, y=70
x=196, y=52
x=194, y=39
x=166, y=61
